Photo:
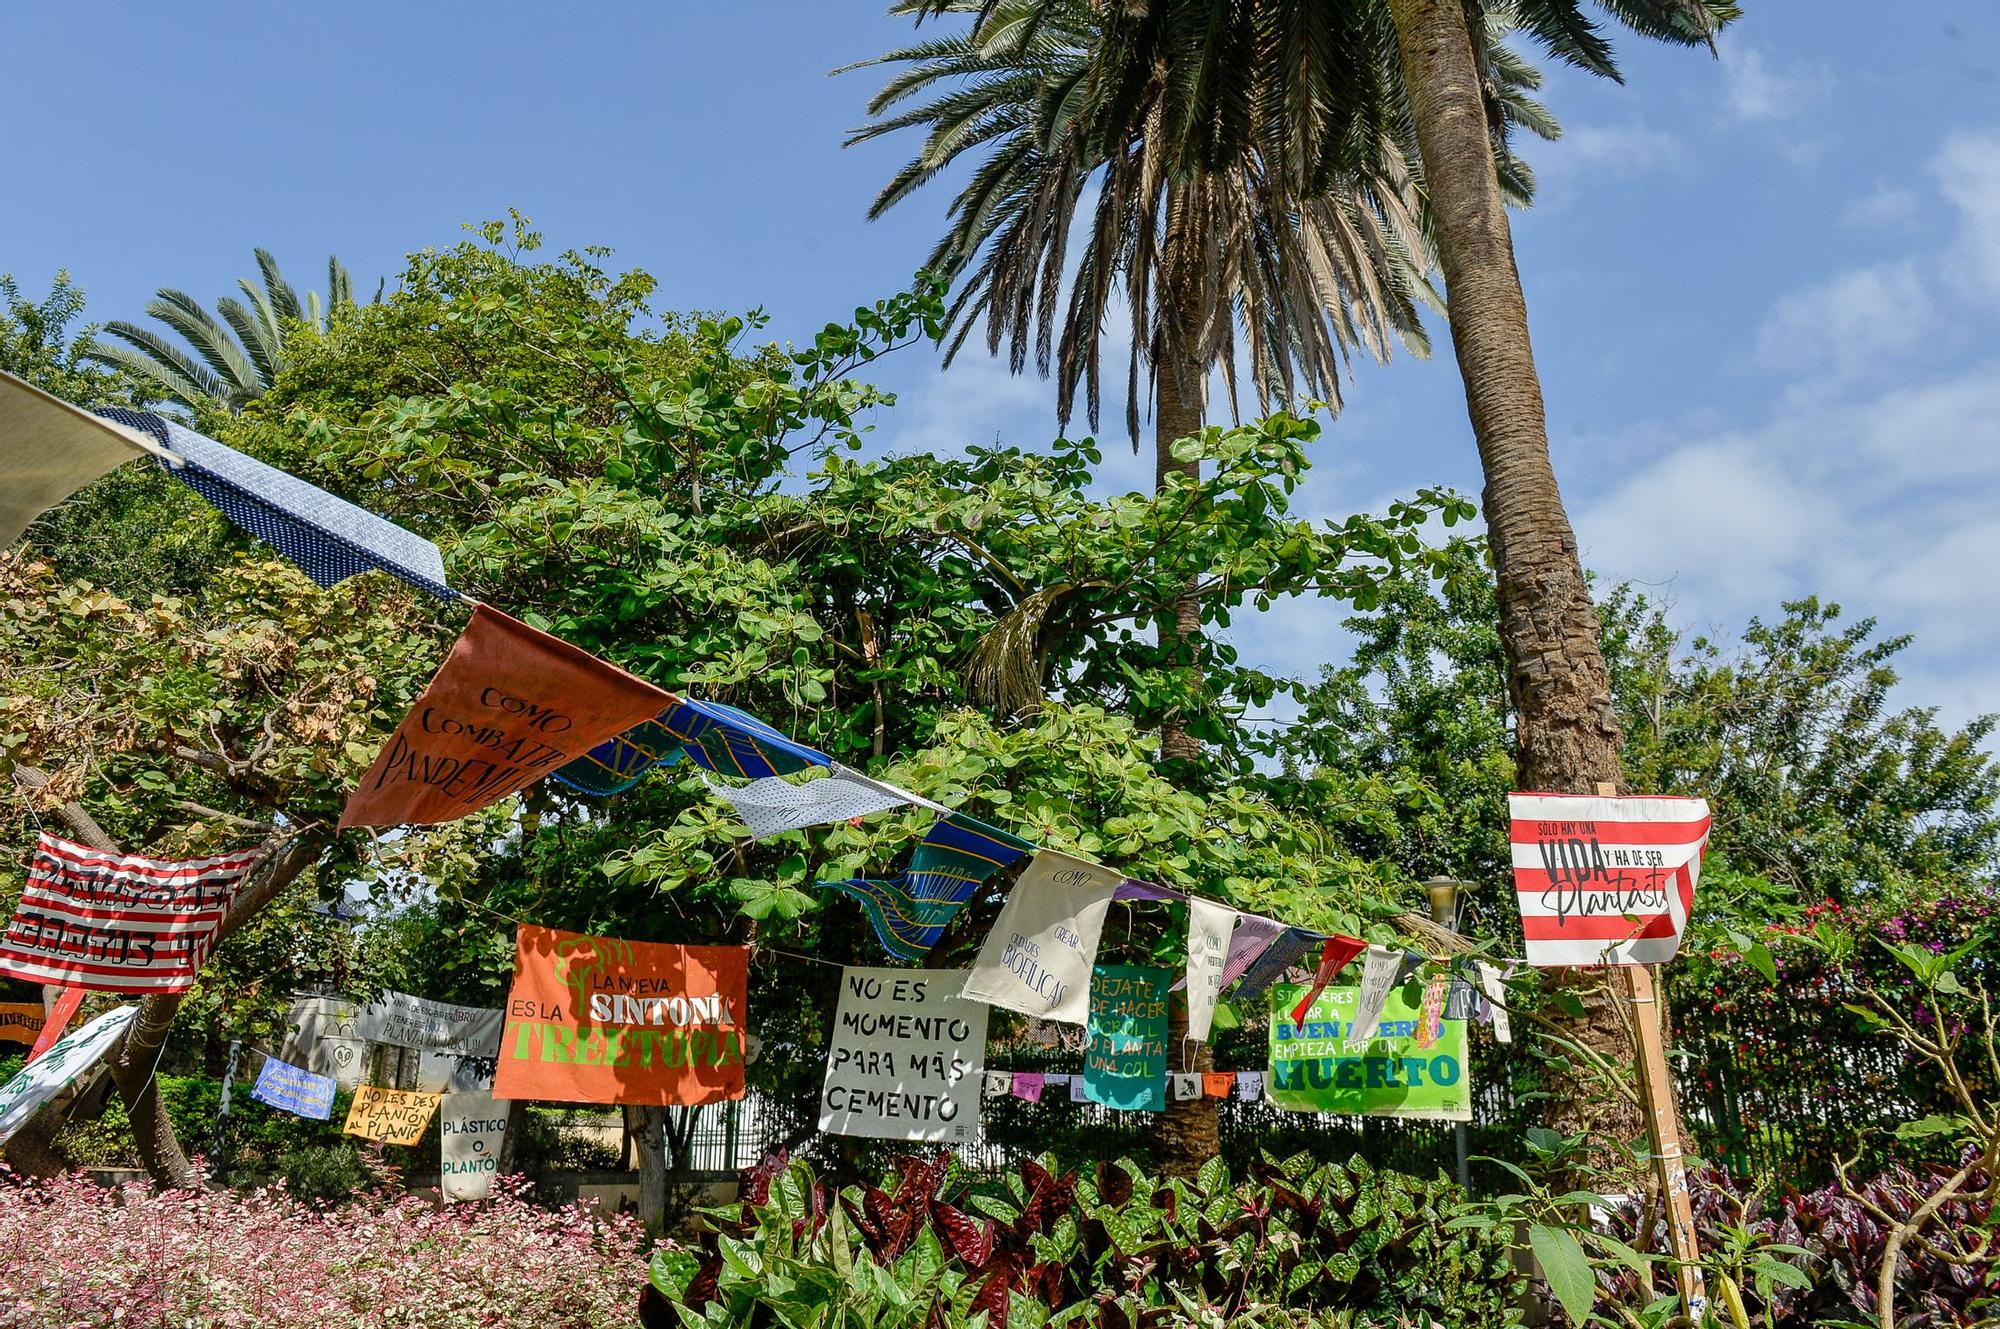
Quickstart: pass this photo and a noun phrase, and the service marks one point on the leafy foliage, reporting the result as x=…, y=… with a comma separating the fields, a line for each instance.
x=934, y=1246
x=77, y=1253
x=1820, y=788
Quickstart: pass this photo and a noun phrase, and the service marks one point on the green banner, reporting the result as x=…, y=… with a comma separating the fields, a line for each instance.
x=1314, y=1070
x=1126, y=1063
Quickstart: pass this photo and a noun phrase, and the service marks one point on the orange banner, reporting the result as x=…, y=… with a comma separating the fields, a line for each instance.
x=599, y=1020
x=20, y=1021
x=509, y=705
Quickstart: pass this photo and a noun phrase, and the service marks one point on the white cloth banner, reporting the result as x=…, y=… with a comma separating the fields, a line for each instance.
x=454, y=1072
x=1076, y=1090
x=471, y=1128
x=321, y=1034
x=1185, y=1087
x=43, y=1078
x=774, y=804
x=1250, y=1085
x=413, y=1022
x=1037, y=958
x=1378, y=975
x=49, y=449
x=999, y=1084
x=1210, y=926
x=906, y=1061
x=1494, y=983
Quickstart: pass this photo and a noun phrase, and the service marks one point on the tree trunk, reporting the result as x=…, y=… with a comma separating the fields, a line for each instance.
x=1566, y=730
x=1179, y=398
x=648, y=1129
x=1188, y=1133
x=134, y=1060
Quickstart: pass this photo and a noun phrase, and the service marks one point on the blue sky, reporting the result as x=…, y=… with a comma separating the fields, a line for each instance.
x=1765, y=289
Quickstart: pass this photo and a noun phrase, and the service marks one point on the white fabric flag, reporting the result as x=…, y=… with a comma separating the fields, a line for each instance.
x=774, y=804
x=454, y=1072
x=999, y=1084
x=323, y=1035
x=414, y=1022
x=1037, y=958
x=471, y=1129
x=1378, y=975
x=1210, y=926
x=1077, y=1085
x=49, y=449
x=1250, y=1085
x=1185, y=1086
x=43, y=1078
x=907, y=1057
x=1494, y=983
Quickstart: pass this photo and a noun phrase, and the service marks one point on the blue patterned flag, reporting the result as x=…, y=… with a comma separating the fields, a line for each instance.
x=329, y=538
x=713, y=736
x=909, y=911
x=1282, y=954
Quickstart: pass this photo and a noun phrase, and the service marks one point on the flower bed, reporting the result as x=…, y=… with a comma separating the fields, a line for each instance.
x=74, y=1253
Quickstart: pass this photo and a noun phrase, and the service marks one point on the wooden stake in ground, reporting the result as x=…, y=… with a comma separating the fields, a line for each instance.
x=1656, y=1097
x=1663, y=1126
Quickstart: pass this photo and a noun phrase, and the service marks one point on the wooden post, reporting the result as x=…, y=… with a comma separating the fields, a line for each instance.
x=1663, y=1126
x=1656, y=1098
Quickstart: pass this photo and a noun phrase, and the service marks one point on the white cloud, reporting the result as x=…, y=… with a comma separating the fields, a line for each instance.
x=1849, y=321
x=1618, y=149
x=1967, y=171
x=1885, y=207
x=1756, y=89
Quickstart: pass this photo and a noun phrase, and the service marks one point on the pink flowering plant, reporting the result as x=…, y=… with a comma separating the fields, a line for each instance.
x=73, y=1253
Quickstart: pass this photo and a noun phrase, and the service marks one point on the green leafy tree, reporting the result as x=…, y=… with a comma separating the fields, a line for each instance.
x=629, y=482
x=1430, y=60
x=228, y=360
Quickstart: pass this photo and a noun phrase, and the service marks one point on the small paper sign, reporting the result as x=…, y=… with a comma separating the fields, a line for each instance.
x=294, y=1089
x=393, y=1116
x=471, y=1128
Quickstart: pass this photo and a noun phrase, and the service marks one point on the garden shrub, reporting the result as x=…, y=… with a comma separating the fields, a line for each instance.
x=1839, y=1249
x=74, y=1253
x=1122, y=1250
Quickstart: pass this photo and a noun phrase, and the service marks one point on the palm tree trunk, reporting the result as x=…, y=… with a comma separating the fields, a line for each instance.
x=1567, y=738
x=1188, y=1133
x=1179, y=404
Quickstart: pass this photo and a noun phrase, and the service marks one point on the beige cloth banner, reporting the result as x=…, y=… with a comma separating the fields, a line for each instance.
x=49, y=449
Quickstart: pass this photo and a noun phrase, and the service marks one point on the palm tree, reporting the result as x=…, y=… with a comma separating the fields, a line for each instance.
x=1304, y=232
x=1430, y=78
x=233, y=359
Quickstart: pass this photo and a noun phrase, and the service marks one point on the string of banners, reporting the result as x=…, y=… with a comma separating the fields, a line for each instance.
x=602, y=1020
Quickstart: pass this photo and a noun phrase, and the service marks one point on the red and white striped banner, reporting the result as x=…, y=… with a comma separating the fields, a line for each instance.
x=116, y=922
x=1605, y=880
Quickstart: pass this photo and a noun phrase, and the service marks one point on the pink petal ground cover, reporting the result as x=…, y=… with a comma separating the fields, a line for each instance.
x=74, y=1254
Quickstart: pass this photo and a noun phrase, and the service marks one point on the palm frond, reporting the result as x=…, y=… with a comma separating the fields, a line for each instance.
x=157, y=361
x=282, y=297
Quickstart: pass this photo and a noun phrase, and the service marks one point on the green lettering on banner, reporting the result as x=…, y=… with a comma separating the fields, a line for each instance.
x=1387, y=1077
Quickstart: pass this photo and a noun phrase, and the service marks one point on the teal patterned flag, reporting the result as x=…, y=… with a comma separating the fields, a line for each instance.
x=909, y=911
x=1125, y=1065
x=713, y=736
